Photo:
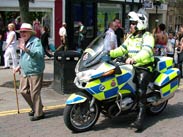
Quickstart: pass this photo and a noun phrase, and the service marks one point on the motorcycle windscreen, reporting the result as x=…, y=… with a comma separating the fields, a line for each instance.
x=92, y=54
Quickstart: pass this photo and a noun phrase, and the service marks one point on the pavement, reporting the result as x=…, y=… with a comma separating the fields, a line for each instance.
x=10, y=104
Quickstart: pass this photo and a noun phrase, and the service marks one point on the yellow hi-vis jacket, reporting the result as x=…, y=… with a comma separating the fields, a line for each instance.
x=139, y=47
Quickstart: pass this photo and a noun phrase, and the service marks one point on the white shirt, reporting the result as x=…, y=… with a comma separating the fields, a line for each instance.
x=110, y=41
x=170, y=46
x=10, y=34
x=62, y=31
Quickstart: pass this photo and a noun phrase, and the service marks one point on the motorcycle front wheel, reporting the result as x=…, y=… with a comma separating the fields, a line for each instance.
x=81, y=117
x=155, y=110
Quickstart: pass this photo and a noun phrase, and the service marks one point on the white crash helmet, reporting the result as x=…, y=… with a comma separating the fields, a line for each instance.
x=142, y=21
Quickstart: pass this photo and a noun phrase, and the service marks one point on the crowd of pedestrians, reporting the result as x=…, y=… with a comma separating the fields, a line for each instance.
x=9, y=40
x=169, y=43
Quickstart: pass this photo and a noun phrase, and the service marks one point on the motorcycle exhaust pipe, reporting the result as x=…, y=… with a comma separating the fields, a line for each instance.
x=163, y=100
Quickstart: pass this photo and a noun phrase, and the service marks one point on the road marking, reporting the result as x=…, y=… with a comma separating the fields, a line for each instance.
x=13, y=112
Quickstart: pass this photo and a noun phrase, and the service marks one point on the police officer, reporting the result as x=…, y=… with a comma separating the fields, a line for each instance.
x=138, y=47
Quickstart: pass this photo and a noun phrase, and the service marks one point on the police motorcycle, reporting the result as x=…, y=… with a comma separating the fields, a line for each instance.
x=108, y=87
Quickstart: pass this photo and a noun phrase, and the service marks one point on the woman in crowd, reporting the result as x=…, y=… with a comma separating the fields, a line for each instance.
x=10, y=48
x=45, y=41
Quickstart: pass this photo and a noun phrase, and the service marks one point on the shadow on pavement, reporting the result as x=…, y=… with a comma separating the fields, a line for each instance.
x=54, y=113
x=170, y=112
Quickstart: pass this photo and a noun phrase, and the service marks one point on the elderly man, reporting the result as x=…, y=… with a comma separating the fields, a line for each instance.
x=32, y=65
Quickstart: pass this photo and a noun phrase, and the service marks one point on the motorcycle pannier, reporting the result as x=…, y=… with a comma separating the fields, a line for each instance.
x=167, y=82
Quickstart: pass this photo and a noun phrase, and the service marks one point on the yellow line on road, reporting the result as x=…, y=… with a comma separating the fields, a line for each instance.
x=13, y=112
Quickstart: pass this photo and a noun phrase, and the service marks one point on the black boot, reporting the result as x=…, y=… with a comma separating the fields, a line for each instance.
x=138, y=123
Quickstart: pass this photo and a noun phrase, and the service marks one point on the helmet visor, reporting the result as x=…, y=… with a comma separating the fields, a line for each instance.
x=133, y=22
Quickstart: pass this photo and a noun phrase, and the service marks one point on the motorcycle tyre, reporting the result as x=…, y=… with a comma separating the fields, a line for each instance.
x=68, y=110
x=161, y=106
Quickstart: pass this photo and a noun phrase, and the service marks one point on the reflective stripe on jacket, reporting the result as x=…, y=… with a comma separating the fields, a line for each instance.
x=139, y=47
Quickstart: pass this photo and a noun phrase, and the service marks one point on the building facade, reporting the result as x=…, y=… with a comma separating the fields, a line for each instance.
x=174, y=15
x=43, y=10
x=94, y=14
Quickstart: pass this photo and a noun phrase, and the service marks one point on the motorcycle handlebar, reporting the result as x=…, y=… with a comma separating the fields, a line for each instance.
x=133, y=64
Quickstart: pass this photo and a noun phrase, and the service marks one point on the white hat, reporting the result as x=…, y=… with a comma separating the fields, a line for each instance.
x=26, y=27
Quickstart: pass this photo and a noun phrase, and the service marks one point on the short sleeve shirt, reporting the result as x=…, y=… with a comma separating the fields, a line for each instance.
x=62, y=31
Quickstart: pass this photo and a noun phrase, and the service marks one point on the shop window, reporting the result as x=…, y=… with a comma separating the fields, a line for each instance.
x=85, y=15
x=106, y=13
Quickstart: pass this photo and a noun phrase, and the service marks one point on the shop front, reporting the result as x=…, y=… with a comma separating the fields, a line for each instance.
x=95, y=15
x=40, y=10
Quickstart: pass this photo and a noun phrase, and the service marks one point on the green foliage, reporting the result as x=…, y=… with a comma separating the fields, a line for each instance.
x=36, y=15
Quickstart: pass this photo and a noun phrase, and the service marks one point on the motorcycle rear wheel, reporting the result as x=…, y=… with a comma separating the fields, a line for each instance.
x=80, y=117
x=155, y=110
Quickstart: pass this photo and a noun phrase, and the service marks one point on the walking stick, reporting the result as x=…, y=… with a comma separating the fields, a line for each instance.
x=15, y=87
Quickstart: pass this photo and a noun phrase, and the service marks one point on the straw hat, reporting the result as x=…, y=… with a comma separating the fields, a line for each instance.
x=26, y=27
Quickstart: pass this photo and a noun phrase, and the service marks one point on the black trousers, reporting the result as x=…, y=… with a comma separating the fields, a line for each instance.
x=142, y=79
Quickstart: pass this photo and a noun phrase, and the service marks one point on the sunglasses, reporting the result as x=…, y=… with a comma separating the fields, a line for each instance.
x=23, y=31
x=133, y=23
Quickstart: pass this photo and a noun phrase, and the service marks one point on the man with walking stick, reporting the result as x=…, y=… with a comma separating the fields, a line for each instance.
x=32, y=66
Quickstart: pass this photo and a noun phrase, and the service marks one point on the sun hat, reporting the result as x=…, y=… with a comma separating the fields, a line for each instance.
x=26, y=27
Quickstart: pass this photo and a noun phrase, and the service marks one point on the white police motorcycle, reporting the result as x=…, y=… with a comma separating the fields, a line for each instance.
x=107, y=87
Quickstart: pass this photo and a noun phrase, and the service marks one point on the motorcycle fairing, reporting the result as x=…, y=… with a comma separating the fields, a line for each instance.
x=167, y=82
x=94, y=72
x=109, y=86
x=126, y=89
x=75, y=98
x=104, y=67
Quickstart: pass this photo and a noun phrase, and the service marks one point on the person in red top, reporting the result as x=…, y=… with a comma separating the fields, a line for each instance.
x=161, y=39
x=37, y=28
